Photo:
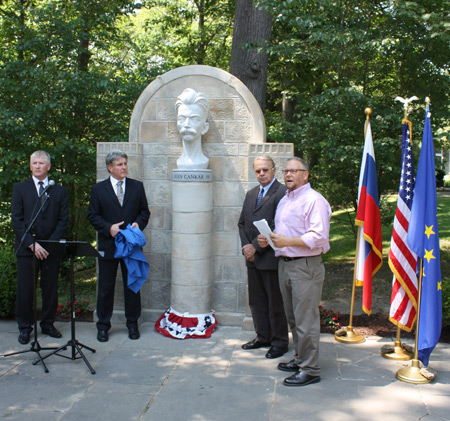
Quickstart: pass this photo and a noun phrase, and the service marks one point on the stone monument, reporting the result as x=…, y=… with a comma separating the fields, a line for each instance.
x=190, y=315
x=235, y=136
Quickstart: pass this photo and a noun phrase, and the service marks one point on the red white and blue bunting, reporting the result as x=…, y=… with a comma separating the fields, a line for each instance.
x=185, y=325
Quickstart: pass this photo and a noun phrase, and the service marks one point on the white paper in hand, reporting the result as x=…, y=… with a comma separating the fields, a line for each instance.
x=264, y=229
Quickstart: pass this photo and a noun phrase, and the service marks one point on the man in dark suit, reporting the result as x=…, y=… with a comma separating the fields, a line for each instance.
x=49, y=225
x=115, y=203
x=266, y=303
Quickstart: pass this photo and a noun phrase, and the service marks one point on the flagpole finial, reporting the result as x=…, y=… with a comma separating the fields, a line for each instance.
x=405, y=103
x=427, y=101
x=368, y=111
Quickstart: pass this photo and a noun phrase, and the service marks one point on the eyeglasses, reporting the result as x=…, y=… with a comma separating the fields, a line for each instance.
x=286, y=172
x=264, y=170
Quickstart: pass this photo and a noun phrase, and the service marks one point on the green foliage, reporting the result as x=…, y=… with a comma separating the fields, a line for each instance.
x=330, y=60
x=446, y=302
x=8, y=282
x=440, y=177
x=6, y=232
x=183, y=32
x=329, y=317
x=81, y=308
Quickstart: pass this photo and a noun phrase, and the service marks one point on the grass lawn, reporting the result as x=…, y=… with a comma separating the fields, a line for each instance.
x=343, y=232
x=339, y=261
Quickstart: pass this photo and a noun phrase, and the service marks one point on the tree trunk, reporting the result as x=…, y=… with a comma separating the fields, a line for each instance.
x=251, y=25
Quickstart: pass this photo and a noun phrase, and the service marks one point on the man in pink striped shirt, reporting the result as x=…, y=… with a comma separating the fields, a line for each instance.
x=302, y=226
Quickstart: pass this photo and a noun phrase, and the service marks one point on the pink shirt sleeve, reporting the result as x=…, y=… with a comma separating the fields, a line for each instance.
x=318, y=222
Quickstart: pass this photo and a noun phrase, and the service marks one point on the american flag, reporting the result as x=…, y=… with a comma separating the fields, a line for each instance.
x=402, y=260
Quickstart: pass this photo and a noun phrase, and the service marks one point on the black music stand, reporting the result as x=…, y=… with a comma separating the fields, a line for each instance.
x=70, y=249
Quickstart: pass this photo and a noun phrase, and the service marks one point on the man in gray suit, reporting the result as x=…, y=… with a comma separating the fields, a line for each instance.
x=266, y=303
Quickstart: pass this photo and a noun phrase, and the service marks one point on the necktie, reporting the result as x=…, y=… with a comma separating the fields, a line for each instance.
x=41, y=188
x=260, y=197
x=120, y=192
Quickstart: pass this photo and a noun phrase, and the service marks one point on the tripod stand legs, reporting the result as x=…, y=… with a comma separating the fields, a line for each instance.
x=35, y=347
x=76, y=349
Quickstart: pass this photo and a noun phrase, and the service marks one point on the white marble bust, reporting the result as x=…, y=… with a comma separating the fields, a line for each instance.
x=192, y=116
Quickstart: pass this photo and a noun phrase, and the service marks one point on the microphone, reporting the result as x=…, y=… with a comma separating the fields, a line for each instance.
x=50, y=184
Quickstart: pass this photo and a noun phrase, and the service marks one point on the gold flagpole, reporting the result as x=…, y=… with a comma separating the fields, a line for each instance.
x=413, y=374
x=399, y=351
x=348, y=335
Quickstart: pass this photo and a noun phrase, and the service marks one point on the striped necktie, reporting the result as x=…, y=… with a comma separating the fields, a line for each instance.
x=260, y=196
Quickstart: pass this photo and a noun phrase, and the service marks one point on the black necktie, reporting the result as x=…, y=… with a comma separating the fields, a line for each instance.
x=41, y=188
x=260, y=197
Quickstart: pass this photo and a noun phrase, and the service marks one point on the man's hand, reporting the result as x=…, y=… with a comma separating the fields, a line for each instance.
x=249, y=252
x=39, y=251
x=134, y=225
x=262, y=241
x=115, y=229
x=279, y=240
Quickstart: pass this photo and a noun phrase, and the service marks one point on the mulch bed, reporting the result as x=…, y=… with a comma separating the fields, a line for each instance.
x=378, y=325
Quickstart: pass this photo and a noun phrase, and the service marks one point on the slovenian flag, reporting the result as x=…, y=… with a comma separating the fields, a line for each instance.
x=369, y=249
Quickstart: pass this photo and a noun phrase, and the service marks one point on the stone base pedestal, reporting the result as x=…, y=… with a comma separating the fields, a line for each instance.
x=190, y=312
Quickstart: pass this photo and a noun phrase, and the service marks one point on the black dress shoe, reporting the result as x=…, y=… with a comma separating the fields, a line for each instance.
x=276, y=351
x=102, y=336
x=301, y=379
x=51, y=330
x=290, y=366
x=24, y=337
x=133, y=333
x=254, y=344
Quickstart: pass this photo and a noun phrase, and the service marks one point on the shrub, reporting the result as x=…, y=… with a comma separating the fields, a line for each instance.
x=447, y=180
x=8, y=282
x=440, y=177
x=329, y=317
x=81, y=307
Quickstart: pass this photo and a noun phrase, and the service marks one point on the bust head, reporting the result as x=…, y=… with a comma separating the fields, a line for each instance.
x=192, y=115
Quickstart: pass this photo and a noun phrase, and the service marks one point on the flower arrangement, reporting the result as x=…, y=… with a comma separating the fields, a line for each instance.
x=329, y=318
x=80, y=306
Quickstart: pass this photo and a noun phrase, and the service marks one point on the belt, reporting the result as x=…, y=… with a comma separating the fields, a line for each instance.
x=289, y=259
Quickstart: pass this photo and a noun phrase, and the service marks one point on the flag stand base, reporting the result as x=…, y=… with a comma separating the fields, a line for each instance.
x=348, y=336
x=397, y=352
x=413, y=374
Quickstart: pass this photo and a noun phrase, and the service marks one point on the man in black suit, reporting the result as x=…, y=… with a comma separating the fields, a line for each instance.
x=49, y=225
x=115, y=203
x=266, y=303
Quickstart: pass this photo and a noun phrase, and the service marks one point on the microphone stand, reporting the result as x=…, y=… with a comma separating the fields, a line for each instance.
x=35, y=346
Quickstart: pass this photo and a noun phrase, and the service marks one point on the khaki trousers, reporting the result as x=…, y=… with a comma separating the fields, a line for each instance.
x=301, y=284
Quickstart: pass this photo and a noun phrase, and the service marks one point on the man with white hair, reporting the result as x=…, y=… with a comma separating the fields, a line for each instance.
x=49, y=225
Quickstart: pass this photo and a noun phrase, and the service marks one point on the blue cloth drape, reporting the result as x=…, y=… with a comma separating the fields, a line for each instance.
x=129, y=243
